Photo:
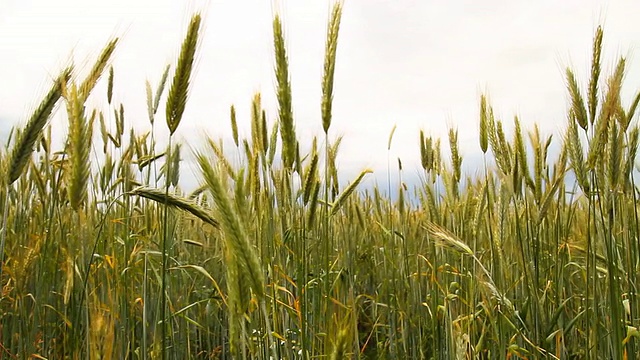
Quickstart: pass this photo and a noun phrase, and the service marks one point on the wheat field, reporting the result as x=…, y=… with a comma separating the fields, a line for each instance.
x=104, y=256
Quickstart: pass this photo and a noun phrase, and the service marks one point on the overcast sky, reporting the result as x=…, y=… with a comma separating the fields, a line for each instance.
x=416, y=64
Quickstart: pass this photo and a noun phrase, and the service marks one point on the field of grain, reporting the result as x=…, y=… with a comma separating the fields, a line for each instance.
x=105, y=257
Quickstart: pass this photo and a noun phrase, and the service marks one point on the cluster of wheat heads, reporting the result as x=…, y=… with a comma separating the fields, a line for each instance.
x=104, y=256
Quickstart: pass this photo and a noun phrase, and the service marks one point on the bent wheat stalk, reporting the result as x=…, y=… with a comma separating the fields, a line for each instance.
x=177, y=202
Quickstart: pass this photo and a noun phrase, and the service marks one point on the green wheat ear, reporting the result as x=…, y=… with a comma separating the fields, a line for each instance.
x=484, y=142
x=235, y=236
x=595, y=74
x=576, y=154
x=178, y=93
x=344, y=195
x=110, y=86
x=96, y=71
x=608, y=111
x=423, y=151
x=330, y=65
x=340, y=348
x=310, y=175
x=80, y=134
x=162, y=197
x=31, y=133
x=234, y=125
x=577, y=103
x=287, y=128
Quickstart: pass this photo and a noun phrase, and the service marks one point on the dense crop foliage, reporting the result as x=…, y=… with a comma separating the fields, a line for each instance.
x=105, y=257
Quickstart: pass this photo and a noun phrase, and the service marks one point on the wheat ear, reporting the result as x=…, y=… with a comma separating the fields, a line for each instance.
x=595, y=74
x=161, y=197
x=348, y=191
x=31, y=133
x=236, y=239
x=330, y=65
x=178, y=93
x=96, y=71
x=287, y=129
x=80, y=134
